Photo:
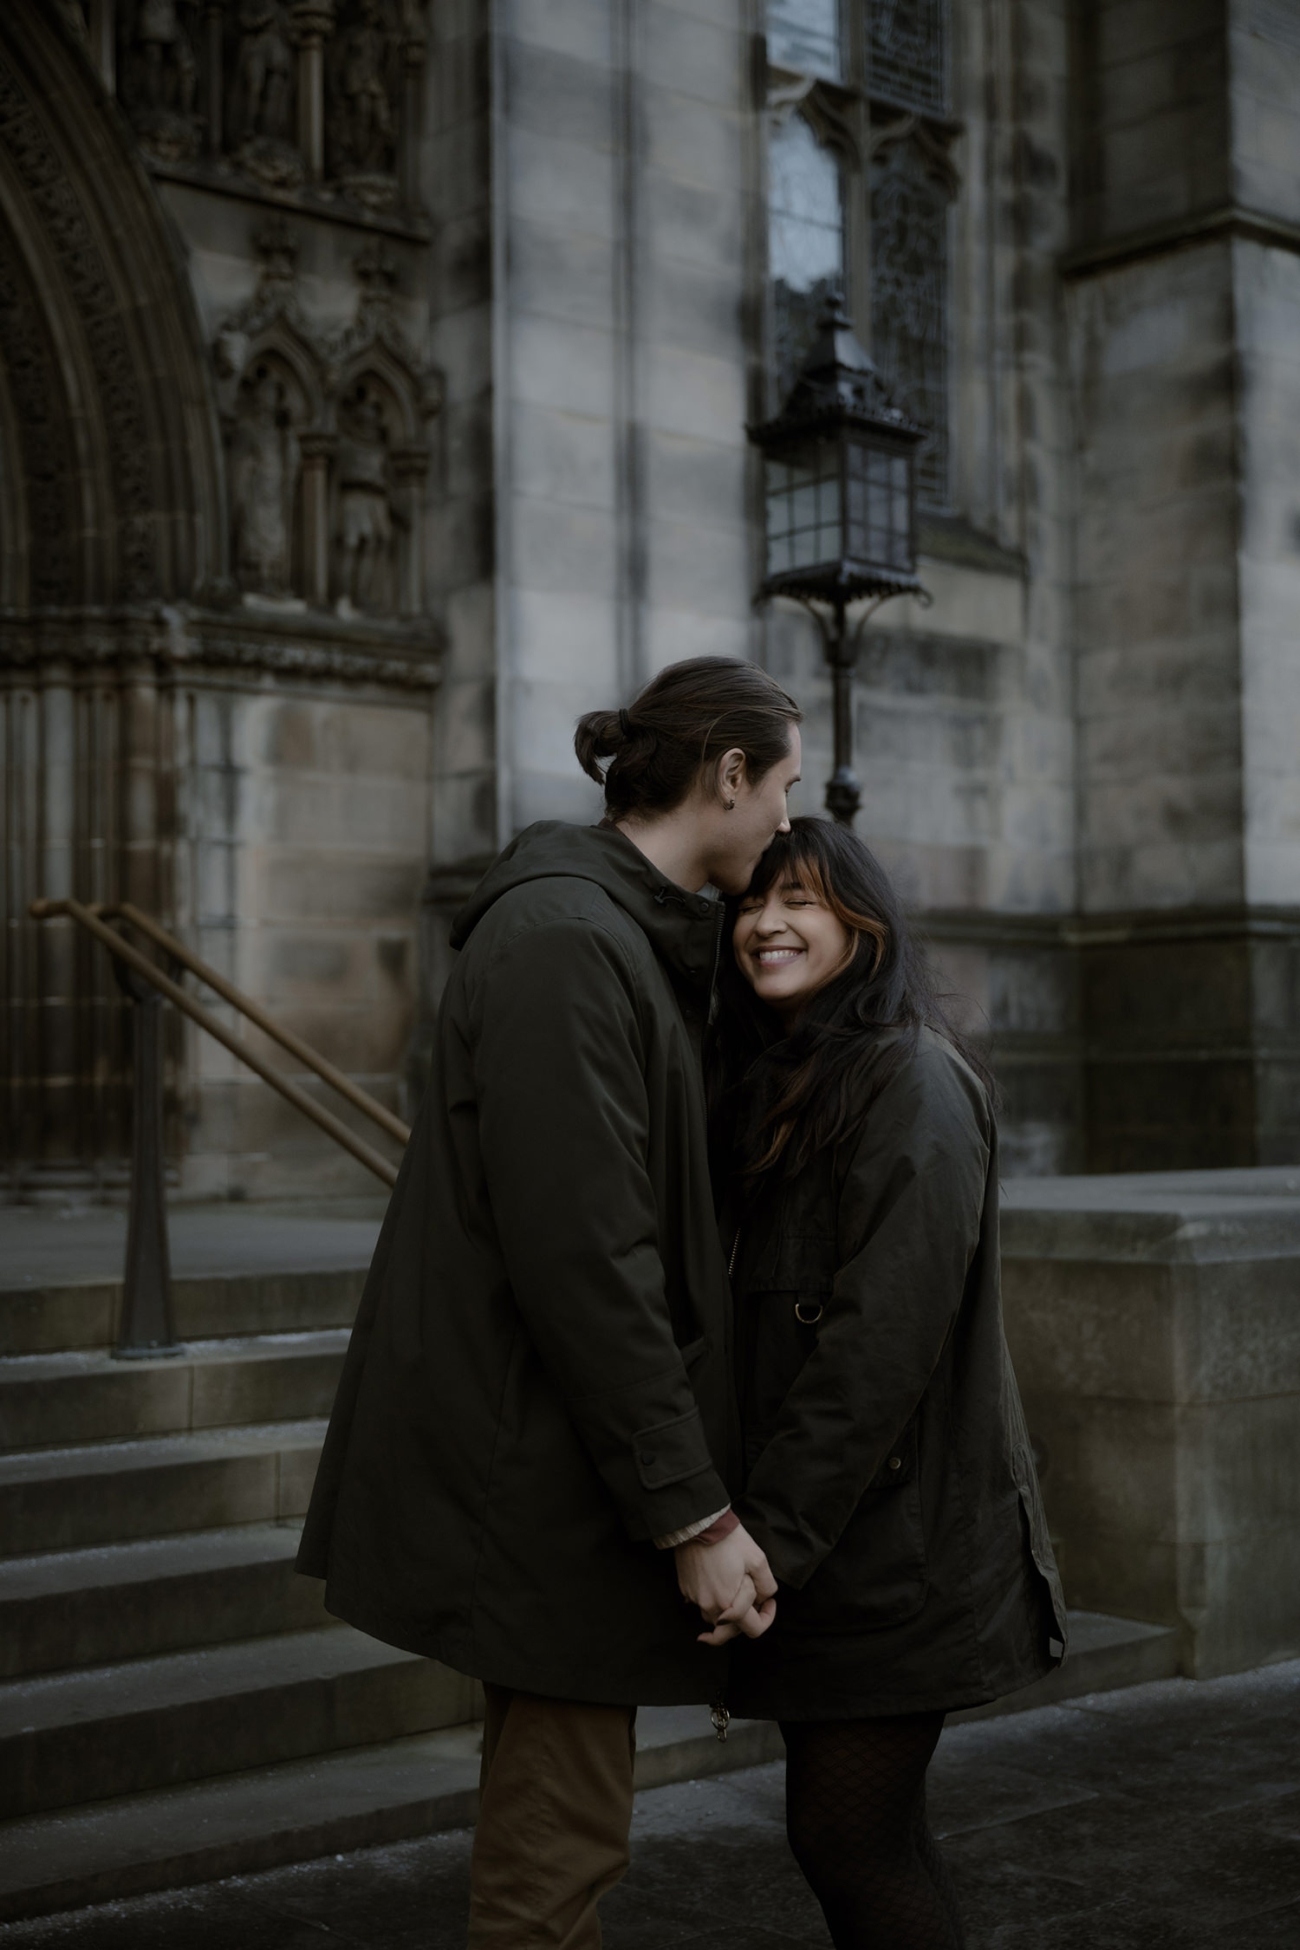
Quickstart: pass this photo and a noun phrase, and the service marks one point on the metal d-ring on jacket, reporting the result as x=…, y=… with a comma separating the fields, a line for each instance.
x=888, y=1473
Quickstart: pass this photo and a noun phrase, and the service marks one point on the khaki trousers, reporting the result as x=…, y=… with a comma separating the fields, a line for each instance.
x=554, y=1816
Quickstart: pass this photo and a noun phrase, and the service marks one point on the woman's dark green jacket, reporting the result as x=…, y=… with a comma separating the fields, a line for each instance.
x=888, y=1473
x=539, y=1383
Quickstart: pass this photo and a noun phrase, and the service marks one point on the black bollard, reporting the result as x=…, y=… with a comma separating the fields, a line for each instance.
x=146, y=1326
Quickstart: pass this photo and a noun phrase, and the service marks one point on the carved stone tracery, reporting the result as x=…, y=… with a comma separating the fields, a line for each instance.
x=69, y=236
x=327, y=442
x=912, y=184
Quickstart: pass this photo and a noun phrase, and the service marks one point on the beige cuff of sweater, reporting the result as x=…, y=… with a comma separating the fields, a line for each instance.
x=675, y=1537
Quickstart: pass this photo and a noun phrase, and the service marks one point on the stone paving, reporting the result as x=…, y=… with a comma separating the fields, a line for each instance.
x=1164, y=1817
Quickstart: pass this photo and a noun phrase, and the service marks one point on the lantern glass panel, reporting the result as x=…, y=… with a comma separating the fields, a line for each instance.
x=804, y=524
x=878, y=506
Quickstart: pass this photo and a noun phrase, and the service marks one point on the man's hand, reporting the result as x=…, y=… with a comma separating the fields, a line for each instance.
x=731, y=1583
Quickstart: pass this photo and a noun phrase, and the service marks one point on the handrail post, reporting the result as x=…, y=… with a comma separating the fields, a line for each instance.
x=146, y=1325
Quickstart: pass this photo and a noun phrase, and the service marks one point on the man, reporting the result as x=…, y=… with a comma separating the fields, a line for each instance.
x=533, y=1431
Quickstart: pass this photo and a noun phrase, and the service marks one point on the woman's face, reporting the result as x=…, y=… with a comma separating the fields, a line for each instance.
x=788, y=944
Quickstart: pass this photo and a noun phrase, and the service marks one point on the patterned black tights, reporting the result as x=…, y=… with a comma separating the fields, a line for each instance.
x=855, y=1815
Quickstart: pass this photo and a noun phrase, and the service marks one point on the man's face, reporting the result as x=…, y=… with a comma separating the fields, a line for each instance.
x=743, y=835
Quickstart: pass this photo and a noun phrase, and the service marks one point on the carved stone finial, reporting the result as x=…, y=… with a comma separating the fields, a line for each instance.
x=376, y=273
x=277, y=248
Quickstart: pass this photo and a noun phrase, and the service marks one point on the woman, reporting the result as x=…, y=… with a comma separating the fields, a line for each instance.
x=887, y=1471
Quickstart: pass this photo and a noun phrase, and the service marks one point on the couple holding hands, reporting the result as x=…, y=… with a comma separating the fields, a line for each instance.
x=688, y=1291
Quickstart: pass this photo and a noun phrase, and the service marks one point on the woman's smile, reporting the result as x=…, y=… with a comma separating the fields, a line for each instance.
x=788, y=944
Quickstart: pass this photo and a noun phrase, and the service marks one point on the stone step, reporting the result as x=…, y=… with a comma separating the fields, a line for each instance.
x=53, y=1400
x=299, y=1810
x=161, y=1594
x=57, y=1316
x=112, y=1492
x=236, y=1269
x=186, y=1716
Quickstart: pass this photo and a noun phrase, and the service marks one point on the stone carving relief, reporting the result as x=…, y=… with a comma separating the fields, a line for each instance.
x=328, y=445
x=38, y=165
x=159, y=75
x=292, y=93
x=363, y=95
x=39, y=417
x=264, y=467
x=260, y=120
x=367, y=518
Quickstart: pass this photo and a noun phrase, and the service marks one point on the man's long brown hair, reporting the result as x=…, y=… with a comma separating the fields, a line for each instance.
x=779, y=1097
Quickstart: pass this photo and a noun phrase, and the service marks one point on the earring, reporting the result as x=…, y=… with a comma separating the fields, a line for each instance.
x=731, y=805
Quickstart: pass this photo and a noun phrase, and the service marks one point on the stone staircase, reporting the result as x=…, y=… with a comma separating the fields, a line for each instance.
x=175, y=1703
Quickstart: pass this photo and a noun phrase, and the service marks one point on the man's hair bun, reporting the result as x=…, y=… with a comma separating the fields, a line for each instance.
x=684, y=719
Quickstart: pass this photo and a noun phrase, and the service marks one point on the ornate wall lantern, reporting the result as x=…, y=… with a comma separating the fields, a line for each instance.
x=841, y=509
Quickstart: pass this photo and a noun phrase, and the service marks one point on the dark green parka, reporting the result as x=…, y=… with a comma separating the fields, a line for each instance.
x=888, y=1473
x=538, y=1382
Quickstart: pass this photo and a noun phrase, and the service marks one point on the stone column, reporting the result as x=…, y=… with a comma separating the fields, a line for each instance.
x=313, y=22
x=214, y=100
x=142, y=708
x=57, y=1122
x=317, y=450
x=408, y=161
x=1184, y=294
x=102, y=39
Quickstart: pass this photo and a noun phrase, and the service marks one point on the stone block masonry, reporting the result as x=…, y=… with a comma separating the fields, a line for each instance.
x=1154, y=1321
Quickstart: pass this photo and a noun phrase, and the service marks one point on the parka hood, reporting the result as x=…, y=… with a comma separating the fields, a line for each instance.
x=682, y=928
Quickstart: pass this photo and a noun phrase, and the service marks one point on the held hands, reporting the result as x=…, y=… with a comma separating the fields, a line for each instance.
x=732, y=1585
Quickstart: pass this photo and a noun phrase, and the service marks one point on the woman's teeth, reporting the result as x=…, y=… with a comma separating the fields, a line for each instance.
x=767, y=956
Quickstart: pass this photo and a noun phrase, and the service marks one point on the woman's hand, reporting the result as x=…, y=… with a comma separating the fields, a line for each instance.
x=731, y=1583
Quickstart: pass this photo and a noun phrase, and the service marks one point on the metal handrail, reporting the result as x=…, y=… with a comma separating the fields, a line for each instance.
x=95, y=921
x=145, y=1326
x=325, y=1070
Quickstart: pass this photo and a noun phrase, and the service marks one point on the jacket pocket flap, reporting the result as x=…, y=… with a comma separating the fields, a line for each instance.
x=669, y=1452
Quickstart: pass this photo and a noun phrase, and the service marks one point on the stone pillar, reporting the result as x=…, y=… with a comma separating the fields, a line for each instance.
x=214, y=100
x=408, y=160
x=1184, y=296
x=56, y=1061
x=143, y=711
x=313, y=22
x=102, y=40
x=317, y=449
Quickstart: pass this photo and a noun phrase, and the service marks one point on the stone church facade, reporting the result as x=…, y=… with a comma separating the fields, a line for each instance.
x=374, y=384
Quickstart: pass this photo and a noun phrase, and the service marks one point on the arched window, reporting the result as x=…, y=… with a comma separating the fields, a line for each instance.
x=850, y=80
x=912, y=184
x=804, y=35
x=805, y=237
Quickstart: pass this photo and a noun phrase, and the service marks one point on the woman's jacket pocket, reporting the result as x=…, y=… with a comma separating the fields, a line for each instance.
x=877, y=1572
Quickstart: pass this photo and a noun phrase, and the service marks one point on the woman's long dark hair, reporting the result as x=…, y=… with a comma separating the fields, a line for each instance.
x=779, y=1097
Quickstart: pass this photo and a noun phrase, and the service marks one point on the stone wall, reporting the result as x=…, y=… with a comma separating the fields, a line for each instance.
x=218, y=443
x=302, y=846
x=1154, y=1321
x=421, y=344
x=1183, y=322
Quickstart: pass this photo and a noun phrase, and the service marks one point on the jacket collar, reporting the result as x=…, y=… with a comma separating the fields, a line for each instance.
x=683, y=929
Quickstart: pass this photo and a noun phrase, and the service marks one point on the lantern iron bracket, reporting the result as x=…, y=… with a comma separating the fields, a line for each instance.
x=841, y=646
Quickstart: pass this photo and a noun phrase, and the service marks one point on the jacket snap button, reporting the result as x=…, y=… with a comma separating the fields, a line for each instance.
x=647, y=1457
x=895, y=1462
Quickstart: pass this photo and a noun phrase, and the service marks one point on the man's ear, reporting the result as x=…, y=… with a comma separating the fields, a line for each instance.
x=732, y=771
